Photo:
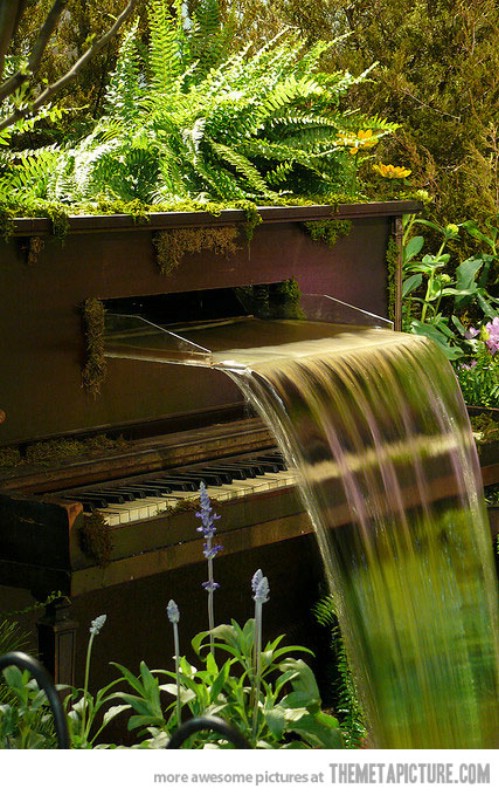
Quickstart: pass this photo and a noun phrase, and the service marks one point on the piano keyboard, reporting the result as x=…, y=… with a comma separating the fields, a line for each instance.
x=146, y=496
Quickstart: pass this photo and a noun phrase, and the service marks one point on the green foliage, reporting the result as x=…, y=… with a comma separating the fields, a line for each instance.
x=347, y=703
x=444, y=302
x=436, y=75
x=288, y=706
x=328, y=232
x=440, y=298
x=25, y=720
x=257, y=126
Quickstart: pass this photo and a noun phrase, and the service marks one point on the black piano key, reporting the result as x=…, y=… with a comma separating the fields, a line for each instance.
x=210, y=479
x=265, y=467
x=224, y=476
x=130, y=493
x=258, y=468
x=176, y=484
x=234, y=471
x=277, y=459
x=153, y=491
x=89, y=504
x=111, y=496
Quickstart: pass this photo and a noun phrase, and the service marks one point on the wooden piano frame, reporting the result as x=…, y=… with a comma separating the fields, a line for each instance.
x=167, y=415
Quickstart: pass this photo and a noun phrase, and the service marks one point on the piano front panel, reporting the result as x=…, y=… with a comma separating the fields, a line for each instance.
x=43, y=348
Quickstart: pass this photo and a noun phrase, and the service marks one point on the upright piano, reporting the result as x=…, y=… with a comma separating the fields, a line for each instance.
x=101, y=459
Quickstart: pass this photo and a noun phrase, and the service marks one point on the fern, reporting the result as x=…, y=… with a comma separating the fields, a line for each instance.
x=352, y=723
x=191, y=117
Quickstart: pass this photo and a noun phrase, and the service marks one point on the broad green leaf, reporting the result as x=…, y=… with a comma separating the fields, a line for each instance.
x=411, y=283
x=413, y=247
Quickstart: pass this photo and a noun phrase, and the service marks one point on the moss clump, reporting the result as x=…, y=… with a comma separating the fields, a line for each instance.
x=329, y=231
x=68, y=448
x=10, y=457
x=96, y=540
x=94, y=369
x=52, y=452
x=392, y=264
x=35, y=247
x=173, y=244
x=485, y=427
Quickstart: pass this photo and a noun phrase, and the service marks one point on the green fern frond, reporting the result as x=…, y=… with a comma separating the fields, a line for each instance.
x=124, y=91
x=191, y=117
x=245, y=167
x=168, y=47
x=347, y=702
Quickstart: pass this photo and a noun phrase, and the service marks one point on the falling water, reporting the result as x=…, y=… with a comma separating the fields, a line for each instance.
x=389, y=474
x=376, y=426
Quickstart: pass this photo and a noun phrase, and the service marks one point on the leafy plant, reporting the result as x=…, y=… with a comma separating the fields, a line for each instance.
x=187, y=120
x=282, y=712
x=25, y=720
x=441, y=300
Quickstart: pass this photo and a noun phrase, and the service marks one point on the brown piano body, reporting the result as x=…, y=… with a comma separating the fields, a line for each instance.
x=169, y=416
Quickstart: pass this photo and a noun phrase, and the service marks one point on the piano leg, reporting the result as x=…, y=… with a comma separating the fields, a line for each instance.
x=57, y=641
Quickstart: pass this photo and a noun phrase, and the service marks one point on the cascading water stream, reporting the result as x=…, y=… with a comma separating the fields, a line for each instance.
x=377, y=428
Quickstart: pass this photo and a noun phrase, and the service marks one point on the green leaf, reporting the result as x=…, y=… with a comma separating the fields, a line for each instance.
x=412, y=248
x=275, y=720
x=411, y=283
x=466, y=273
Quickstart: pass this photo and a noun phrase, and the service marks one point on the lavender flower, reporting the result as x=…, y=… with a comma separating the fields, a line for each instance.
x=173, y=615
x=97, y=624
x=210, y=550
x=172, y=612
x=208, y=529
x=260, y=587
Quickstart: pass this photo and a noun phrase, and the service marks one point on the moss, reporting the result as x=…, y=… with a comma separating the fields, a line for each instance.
x=392, y=262
x=328, y=231
x=10, y=457
x=173, y=244
x=46, y=454
x=96, y=539
x=485, y=427
x=94, y=369
x=35, y=246
x=68, y=448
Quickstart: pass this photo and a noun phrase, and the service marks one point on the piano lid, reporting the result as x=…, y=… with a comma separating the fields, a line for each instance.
x=235, y=342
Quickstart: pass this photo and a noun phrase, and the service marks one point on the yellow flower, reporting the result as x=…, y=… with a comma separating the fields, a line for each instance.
x=362, y=139
x=391, y=172
x=366, y=139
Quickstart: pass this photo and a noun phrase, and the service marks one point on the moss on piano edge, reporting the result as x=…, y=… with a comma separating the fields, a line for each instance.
x=96, y=539
x=328, y=231
x=173, y=244
x=392, y=264
x=94, y=369
x=55, y=451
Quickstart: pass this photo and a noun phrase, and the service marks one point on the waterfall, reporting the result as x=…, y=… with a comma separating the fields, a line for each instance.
x=376, y=426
